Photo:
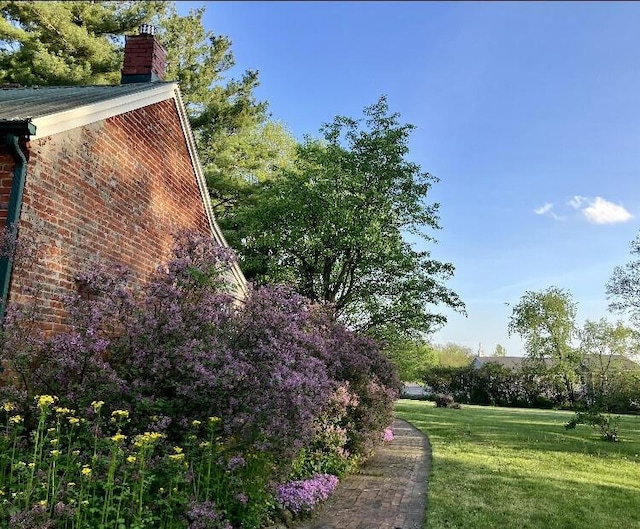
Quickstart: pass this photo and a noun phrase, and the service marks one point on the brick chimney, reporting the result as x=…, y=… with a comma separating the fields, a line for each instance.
x=144, y=57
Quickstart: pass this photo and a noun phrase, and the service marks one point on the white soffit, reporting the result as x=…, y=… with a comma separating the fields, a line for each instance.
x=81, y=116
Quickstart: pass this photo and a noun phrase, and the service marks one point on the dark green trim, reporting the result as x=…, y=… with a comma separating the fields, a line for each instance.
x=19, y=127
x=139, y=78
x=15, y=205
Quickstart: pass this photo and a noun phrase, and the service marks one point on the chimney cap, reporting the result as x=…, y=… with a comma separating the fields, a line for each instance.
x=147, y=29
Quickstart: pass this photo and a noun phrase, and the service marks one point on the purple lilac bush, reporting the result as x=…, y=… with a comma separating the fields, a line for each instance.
x=279, y=374
x=302, y=496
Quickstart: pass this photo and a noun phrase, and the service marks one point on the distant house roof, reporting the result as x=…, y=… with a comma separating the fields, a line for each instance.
x=511, y=362
x=618, y=362
x=589, y=362
x=55, y=109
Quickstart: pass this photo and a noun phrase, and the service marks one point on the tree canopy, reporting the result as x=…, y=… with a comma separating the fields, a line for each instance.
x=334, y=225
x=499, y=351
x=623, y=289
x=453, y=355
x=546, y=321
x=67, y=43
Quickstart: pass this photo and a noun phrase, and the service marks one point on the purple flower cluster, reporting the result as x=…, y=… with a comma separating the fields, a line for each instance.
x=387, y=435
x=236, y=461
x=204, y=515
x=303, y=495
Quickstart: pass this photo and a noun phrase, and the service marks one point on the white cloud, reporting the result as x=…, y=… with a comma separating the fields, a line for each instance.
x=601, y=211
x=595, y=210
x=543, y=209
x=576, y=201
x=546, y=210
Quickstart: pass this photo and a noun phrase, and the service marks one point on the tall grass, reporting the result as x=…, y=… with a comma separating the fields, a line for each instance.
x=520, y=468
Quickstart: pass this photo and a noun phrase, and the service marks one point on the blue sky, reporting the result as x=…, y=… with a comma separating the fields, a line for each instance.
x=528, y=113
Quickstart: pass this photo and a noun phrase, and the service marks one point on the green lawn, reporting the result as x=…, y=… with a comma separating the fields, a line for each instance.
x=501, y=468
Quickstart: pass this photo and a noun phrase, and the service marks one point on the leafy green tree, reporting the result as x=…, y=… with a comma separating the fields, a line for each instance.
x=334, y=226
x=238, y=144
x=545, y=320
x=604, y=347
x=623, y=289
x=453, y=355
x=67, y=43
x=235, y=178
x=499, y=351
x=412, y=357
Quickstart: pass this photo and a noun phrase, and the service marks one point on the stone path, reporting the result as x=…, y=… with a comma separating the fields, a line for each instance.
x=389, y=491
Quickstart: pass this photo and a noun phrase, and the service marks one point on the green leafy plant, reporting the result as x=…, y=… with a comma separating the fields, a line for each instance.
x=606, y=424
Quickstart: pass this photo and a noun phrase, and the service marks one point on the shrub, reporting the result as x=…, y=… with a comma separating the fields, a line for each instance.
x=203, y=377
x=446, y=401
x=605, y=424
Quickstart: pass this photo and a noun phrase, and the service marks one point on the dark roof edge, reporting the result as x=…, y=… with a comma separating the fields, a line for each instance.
x=20, y=127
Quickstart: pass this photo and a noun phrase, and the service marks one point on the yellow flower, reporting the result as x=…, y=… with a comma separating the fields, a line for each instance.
x=177, y=450
x=176, y=457
x=16, y=419
x=43, y=503
x=214, y=420
x=55, y=453
x=196, y=423
x=86, y=471
x=147, y=438
x=8, y=406
x=31, y=465
x=120, y=414
x=71, y=484
x=204, y=444
x=84, y=502
x=62, y=411
x=131, y=459
x=54, y=442
x=73, y=420
x=76, y=452
x=96, y=405
x=44, y=401
x=117, y=438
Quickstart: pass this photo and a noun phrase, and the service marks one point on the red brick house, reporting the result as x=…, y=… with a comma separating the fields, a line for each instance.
x=101, y=172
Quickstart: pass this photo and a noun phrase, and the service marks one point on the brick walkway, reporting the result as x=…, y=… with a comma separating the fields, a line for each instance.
x=389, y=491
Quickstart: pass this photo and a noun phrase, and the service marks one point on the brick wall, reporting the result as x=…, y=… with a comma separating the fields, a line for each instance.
x=112, y=191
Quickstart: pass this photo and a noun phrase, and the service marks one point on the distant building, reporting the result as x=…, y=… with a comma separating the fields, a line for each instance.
x=589, y=362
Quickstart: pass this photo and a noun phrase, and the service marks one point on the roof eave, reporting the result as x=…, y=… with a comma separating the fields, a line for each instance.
x=236, y=272
x=87, y=114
